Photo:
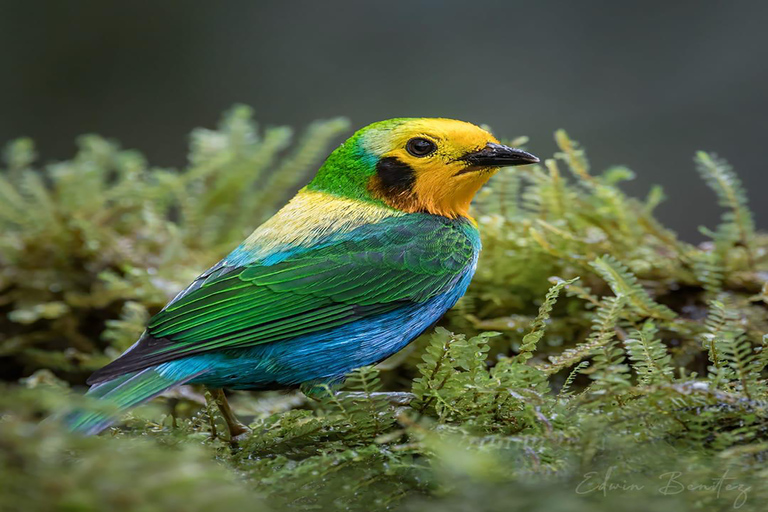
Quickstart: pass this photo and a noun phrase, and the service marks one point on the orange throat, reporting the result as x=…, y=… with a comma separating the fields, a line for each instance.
x=449, y=197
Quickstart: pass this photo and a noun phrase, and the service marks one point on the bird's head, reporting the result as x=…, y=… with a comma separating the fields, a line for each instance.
x=417, y=165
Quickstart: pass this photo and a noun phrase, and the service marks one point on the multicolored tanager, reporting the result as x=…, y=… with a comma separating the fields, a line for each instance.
x=366, y=257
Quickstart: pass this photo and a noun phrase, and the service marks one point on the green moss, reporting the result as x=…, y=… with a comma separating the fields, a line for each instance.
x=92, y=246
x=646, y=373
x=44, y=468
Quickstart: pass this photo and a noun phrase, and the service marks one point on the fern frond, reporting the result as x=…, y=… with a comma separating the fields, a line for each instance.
x=606, y=318
x=734, y=361
x=650, y=359
x=709, y=271
x=371, y=416
x=434, y=370
x=575, y=157
x=538, y=325
x=623, y=282
x=738, y=352
x=719, y=323
x=719, y=175
x=565, y=390
x=609, y=372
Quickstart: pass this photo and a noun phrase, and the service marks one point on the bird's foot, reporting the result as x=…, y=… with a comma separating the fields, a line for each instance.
x=238, y=433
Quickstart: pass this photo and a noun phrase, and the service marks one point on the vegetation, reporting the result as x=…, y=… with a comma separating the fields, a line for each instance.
x=597, y=363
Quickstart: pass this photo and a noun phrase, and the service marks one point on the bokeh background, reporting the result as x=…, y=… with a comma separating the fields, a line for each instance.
x=641, y=84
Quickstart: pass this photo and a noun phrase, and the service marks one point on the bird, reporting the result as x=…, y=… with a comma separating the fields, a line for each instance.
x=369, y=255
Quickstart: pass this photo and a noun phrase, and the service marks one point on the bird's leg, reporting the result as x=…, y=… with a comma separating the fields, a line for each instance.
x=236, y=429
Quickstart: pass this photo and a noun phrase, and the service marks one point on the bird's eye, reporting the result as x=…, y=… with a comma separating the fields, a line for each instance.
x=420, y=147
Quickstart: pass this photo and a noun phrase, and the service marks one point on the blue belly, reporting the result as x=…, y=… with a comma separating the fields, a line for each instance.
x=320, y=357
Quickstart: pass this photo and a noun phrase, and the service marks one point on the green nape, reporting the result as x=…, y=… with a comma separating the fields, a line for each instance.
x=348, y=169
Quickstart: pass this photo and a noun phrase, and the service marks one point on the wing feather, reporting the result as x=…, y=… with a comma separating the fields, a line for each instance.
x=377, y=268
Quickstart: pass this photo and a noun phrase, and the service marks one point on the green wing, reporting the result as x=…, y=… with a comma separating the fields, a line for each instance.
x=380, y=268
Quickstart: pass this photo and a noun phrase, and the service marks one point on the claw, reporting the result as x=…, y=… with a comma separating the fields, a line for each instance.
x=235, y=439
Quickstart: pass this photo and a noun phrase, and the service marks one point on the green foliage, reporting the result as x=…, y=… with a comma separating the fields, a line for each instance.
x=43, y=468
x=604, y=324
x=593, y=347
x=738, y=227
x=105, y=236
x=538, y=325
x=624, y=284
x=650, y=358
x=736, y=364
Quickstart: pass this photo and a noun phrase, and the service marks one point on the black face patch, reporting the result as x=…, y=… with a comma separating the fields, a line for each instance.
x=395, y=176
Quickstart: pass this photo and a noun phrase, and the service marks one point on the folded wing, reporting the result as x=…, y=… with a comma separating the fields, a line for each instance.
x=376, y=269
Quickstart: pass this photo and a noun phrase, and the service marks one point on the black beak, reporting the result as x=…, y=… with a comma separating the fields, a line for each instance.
x=498, y=155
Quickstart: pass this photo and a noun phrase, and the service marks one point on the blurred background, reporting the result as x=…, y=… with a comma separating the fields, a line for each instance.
x=640, y=84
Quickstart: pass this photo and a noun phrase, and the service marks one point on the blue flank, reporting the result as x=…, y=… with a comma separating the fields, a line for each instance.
x=319, y=357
